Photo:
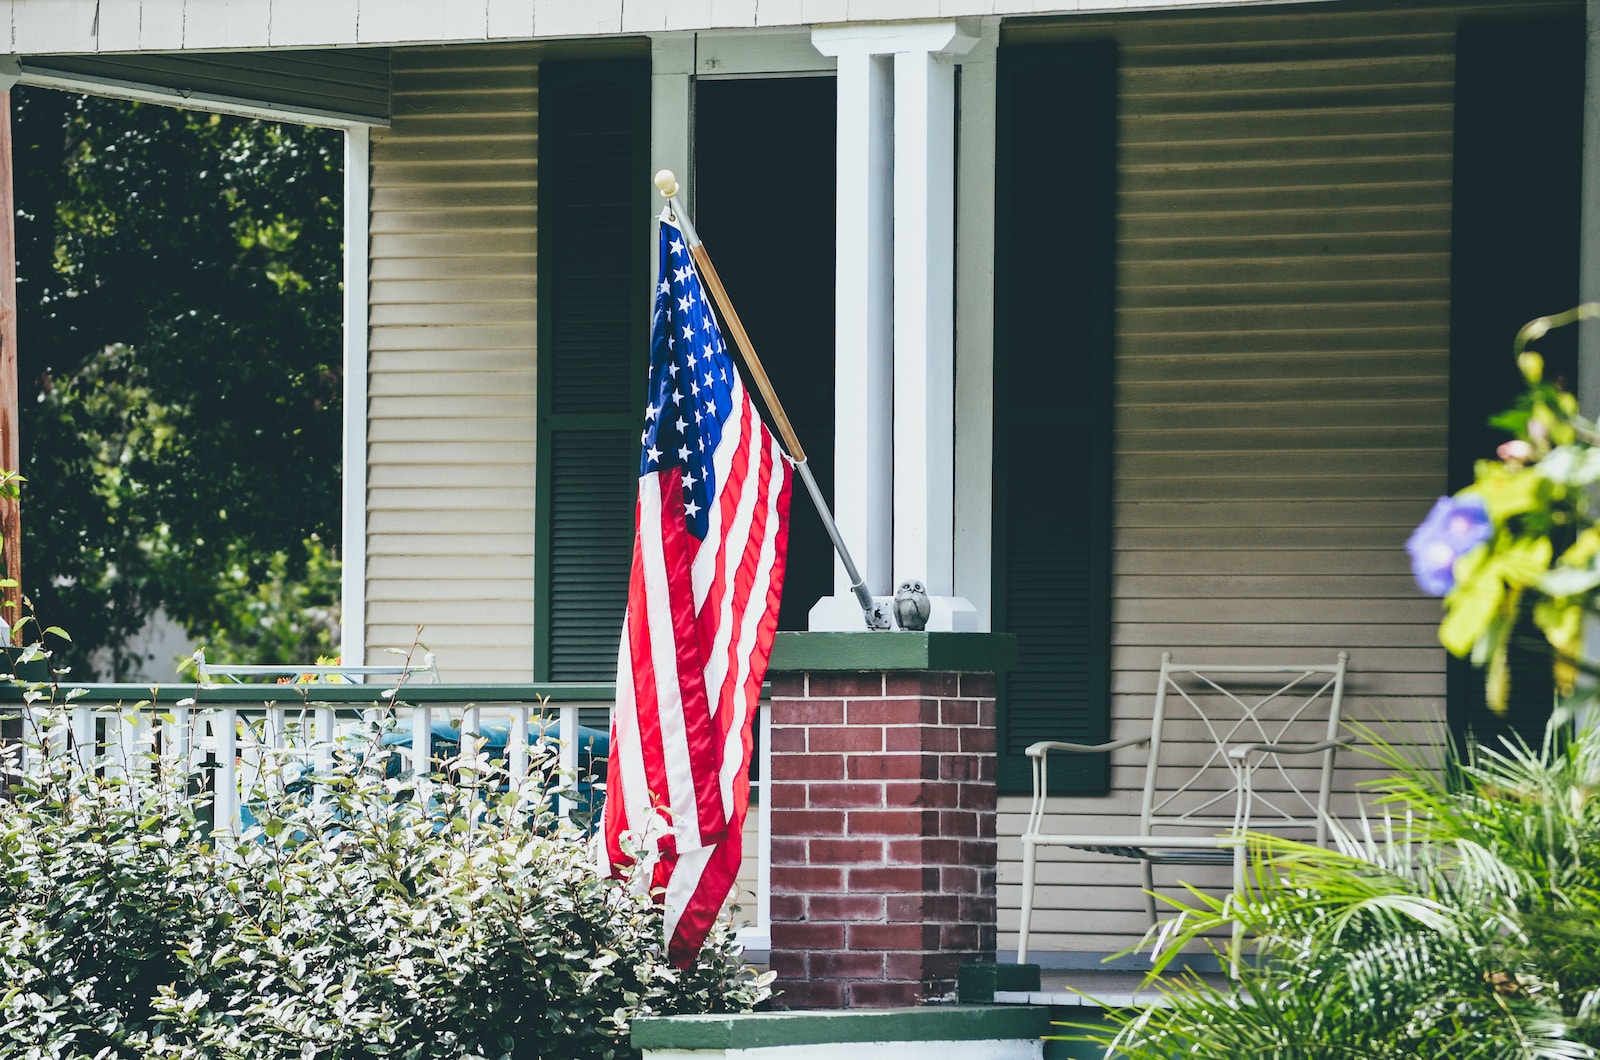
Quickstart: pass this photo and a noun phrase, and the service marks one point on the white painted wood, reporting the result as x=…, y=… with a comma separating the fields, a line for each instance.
x=563, y=18
x=55, y=26
x=974, y=324
x=400, y=21
x=206, y=101
x=924, y=340
x=225, y=791
x=510, y=19
x=353, y=524
x=672, y=66
x=224, y=23
x=119, y=26
x=160, y=27
x=863, y=357
x=313, y=22
x=1018, y=1049
x=759, y=53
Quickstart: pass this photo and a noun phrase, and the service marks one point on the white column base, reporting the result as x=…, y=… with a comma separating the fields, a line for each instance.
x=842, y=614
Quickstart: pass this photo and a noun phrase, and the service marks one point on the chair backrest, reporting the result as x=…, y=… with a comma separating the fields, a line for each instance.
x=1205, y=710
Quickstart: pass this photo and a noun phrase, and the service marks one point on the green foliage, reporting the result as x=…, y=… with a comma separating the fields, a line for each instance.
x=1462, y=924
x=273, y=617
x=362, y=916
x=180, y=319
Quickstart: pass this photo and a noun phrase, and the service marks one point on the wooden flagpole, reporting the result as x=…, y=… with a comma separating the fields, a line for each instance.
x=10, y=447
x=876, y=616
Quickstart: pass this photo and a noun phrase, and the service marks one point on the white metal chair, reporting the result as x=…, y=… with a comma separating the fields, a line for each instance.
x=1214, y=729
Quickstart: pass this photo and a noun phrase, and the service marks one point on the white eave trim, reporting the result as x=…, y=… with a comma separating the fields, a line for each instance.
x=37, y=72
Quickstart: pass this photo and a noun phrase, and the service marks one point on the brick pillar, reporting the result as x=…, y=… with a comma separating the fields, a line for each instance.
x=883, y=835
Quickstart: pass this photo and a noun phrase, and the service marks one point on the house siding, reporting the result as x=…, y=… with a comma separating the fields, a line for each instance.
x=451, y=408
x=1282, y=349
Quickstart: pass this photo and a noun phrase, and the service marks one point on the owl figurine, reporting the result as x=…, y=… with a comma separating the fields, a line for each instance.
x=911, y=606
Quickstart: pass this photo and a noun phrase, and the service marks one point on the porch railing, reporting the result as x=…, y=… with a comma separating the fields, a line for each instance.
x=232, y=732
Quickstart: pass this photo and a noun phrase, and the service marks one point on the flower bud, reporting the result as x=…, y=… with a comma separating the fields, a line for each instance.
x=1516, y=451
x=1532, y=366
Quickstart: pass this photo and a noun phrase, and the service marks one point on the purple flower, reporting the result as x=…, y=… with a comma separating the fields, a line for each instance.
x=1455, y=527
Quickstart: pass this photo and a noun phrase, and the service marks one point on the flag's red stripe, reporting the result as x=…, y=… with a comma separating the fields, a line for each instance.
x=705, y=753
x=729, y=492
x=744, y=579
x=644, y=685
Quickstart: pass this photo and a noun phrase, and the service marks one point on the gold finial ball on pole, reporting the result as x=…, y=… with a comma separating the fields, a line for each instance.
x=667, y=181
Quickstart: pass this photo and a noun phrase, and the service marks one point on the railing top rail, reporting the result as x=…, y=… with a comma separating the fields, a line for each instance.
x=352, y=694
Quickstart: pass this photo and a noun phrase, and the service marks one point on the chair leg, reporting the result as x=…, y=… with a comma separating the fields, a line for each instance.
x=1150, y=891
x=1030, y=859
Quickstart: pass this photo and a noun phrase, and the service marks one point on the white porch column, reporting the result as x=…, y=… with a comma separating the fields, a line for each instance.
x=894, y=346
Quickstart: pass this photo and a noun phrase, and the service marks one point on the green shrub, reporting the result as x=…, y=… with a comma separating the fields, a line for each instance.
x=363, y=916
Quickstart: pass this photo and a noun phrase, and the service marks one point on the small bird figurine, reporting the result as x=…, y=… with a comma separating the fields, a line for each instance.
x=911, y=606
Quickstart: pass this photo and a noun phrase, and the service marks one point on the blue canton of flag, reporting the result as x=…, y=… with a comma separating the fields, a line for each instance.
x=691, y=383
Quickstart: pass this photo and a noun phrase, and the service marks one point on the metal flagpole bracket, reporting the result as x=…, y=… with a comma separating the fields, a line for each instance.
x=876, y=614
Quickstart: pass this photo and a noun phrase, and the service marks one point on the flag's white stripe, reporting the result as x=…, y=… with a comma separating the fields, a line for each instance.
x=680, y=793
x=750, y=626
x=739, y=532
x=627, y=745
x=681, y=887
x=705, y=560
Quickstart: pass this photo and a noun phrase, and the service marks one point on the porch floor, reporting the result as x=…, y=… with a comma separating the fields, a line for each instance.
x=1098, y=988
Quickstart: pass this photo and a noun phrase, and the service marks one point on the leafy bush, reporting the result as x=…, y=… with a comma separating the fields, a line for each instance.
x=363, y=916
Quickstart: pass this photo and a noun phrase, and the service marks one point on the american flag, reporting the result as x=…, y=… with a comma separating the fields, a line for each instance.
x=708, y=562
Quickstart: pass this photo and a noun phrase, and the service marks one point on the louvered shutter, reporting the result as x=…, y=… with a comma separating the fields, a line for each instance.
x=1055, y=230
x=594, y=185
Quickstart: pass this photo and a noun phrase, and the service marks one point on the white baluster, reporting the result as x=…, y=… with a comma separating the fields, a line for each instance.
x=517, y=746
x=225, y=791
x=85, y=746
x=569, y=752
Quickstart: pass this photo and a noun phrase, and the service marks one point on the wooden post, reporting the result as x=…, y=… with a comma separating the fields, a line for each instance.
x=10, y=449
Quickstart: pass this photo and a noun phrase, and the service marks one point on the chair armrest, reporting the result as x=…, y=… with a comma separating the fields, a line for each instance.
x=1044, y=747
x=1288, y=748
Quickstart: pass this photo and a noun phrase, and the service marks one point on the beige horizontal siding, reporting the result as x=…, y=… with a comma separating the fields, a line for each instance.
x=1282, y=337
x=451, y=394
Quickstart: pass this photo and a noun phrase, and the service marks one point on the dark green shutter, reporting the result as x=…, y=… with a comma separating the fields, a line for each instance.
x=1054, y=285
x=594, y=187
x=1513, y=256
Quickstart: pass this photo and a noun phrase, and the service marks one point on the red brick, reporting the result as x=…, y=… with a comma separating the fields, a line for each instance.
x=846, y=965
x=893, y=712
x=982, y=686
x=894, y=936
x=788, y=851
x=961, y=768
x=809, y=995
x=905, y=965
x=957, y=880
x=898, y=880
x=790, y=796
x=979, y=853
x=897, y=823
x=942, y=967
x=847, y=686
x=787, y=908
x=789, y=712
x=807, y=767
x=961, y=712
x=932, y=794
x=956, y=937
x=953, y=823
x=893, y=767
x=925, y=851
x=787, y=685
x=976, y=740
x=847, y=796
x=978, y=908
x=846, y=851
x=986, y=768
x=934, y=908
x=988, y=938
x=789, y=964
x=809, y=936
x=977, y=796
x=788, y=738
x=885, y=995
x=921, y=738
x=807, y=822
x=986, y=825
x=847, y=907
x=922, y=683
x=858, y=738
x=801, y=995
x=807, y=879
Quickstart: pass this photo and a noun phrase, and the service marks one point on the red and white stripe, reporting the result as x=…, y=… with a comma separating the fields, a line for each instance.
x=694, y=652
